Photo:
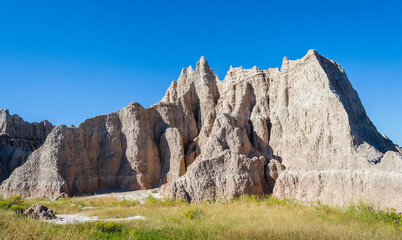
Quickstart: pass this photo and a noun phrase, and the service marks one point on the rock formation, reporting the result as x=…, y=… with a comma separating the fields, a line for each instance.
x=18, y=139
x=297, y=132
x=37, y=211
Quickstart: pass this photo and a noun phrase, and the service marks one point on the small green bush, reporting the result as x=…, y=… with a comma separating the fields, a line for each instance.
x=367, y=214
x=14, y=203
x=133, y=235
x=16, y=199
x=108, y=227
x=18, y=209
x=193, y=213
x=8, y=203
x=392, y=217
x=5, y=204
x=151, y=201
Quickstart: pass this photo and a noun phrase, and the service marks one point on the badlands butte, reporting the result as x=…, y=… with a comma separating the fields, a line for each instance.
x=298, y=132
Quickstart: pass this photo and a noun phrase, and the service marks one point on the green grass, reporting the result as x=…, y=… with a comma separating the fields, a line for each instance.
x=246, y=217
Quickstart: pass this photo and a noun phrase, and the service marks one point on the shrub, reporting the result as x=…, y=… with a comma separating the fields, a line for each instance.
x=362, y=212
x=109, y=227
x=392, y=217
x=18, y=209
x=132, y=235
x=14, y=203
x=151, y=200
x=8, y=203
x=191, y=214
x=5, y=204
x=367, y=214
x=16, y=199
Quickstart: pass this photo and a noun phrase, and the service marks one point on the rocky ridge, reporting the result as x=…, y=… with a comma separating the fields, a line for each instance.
x=18, y=139
x=300, y=131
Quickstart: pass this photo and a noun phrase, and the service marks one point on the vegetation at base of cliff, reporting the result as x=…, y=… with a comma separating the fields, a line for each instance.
x=246, y=217
x=14, y=203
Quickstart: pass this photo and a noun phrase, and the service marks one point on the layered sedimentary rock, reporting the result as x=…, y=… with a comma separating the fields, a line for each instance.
x=18, y=139
x=118, y=151
x=300, y=131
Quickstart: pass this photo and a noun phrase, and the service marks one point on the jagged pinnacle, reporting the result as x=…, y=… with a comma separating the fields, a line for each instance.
x=202, y=65
x=285, y=63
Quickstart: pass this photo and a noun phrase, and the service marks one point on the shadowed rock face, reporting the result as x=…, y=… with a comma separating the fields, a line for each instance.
x=299, y=132
x=18, y=139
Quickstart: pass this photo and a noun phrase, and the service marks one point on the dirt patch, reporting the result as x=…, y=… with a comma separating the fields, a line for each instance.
x=77, y=218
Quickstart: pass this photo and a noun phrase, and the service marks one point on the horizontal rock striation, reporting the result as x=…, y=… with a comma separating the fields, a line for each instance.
x=300, y=131
x=18, y=139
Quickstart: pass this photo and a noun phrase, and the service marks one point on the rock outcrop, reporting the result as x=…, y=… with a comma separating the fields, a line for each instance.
x=37, y=211
x=297, y=132
x=118, y=151
x=18, y=139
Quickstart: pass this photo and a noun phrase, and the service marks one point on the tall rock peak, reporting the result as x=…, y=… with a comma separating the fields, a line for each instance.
x=285, y=64
x=312, y=52
x=190, y=69
x=203, y=66
x=4, y=111
x=318, y=57
x=4, y=114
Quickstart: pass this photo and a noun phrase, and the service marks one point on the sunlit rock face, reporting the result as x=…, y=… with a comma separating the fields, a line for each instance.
x=300, y=131
x=18, y=139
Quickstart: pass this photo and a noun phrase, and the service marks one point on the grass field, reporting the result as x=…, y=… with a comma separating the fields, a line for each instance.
x=246, y=217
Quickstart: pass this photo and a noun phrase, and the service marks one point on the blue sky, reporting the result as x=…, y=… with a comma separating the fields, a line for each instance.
x=66, y=61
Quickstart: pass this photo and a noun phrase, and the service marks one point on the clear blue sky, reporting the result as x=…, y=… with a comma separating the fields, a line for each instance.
x=66, y=61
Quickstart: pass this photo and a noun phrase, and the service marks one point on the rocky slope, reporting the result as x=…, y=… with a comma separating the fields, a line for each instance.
x=297, y=132
x=18, y=139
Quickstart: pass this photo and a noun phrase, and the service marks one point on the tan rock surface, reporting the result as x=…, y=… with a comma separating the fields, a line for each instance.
x=118, y=151
x=306, y=119
x=297, y=132
x=18, y=139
